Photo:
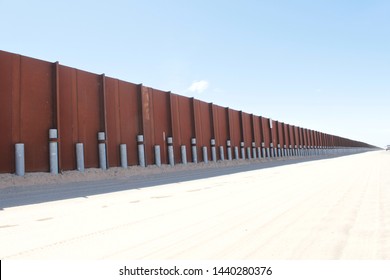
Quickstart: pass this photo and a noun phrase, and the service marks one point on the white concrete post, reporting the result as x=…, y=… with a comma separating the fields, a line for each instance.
x=80, y=156
x=157, y=155
x=194, y=151
x=259, y=152
x=272, y=150
x=183, y=154
x=141, y=150
x=229, y=150
x=236, y=155
x=279, y=153
x=254, y=152
x=221, y=153
x=242, y=150
x=53, y=151
x=123, y=153
x=284, y=150
x=213, y=151
x=248, y=153
x=19, y=159
x=171, y=157
x=263, y=149
x=102, y=150
x=205, y=156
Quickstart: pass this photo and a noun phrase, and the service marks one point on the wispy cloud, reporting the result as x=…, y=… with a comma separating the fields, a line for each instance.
x=199, y=86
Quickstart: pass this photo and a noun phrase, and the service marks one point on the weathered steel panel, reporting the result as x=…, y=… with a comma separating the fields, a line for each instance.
x=90, y=111
x=286, y=132
x=9, y=109
x=280, y=133
x=122, y=117
x=266, y=131
x=247, y=130
x=130, y=118
x=235, y=128
x=36, y=111
x=274, y=132
x=9, y=87
x=257, y=137
x=221, y=125
x=291, y=136
x=68, y=121
x=156, y=122
x=203, y=126
x=183, y=125
x=113, y=121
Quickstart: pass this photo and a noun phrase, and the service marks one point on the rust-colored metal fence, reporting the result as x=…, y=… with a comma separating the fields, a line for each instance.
x=36, y=96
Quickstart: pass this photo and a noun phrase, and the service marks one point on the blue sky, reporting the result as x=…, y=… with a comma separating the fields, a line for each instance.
x=323, y=65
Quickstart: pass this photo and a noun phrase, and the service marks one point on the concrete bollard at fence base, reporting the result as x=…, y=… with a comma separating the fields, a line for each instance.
x=205, y=156
x=141, y=150
x=19, y=159
x=248, y=153
x=254, y=152
x=194, y=151
x=229, y=150
x=53, y=151
x=102, y=150
x=242, y=150
x=123, y=155
x=157, y=155
x=171, y=157
x=80, y=156
x=259, y=152
x=263, y=149
x=272, y=150
x=213, y=151
x=278, y=151
x=236, y=155
x=268, y=152
x=183, y=154
x=221, y=153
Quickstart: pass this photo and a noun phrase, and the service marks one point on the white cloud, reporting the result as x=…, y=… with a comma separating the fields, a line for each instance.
x=199, y=86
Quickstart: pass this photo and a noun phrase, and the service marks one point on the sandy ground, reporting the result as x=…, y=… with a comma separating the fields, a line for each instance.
x=94, y=174
x=329, y=209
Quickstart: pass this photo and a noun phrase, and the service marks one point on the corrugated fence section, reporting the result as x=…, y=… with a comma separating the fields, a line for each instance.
x=36, y=96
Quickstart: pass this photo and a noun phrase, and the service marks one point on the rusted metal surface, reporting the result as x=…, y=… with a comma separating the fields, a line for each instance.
x=9, y=109
x=274, y=133
x=221, y=126
x=183, y=124
x=247, y=131
x=122, y=114
x=36, y=109
x=36, y=95
x=156, y=122
x=291, y=134
x=235, y=127
x=266, y=131
x=286, y=134
x=256, y=124
x=81, y=115
x=203, y=126
x=280, y=133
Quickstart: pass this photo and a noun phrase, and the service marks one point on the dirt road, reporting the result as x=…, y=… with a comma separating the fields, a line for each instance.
x=335, y=208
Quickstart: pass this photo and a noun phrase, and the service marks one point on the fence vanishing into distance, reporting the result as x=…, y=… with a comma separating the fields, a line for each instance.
x=98, y=121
